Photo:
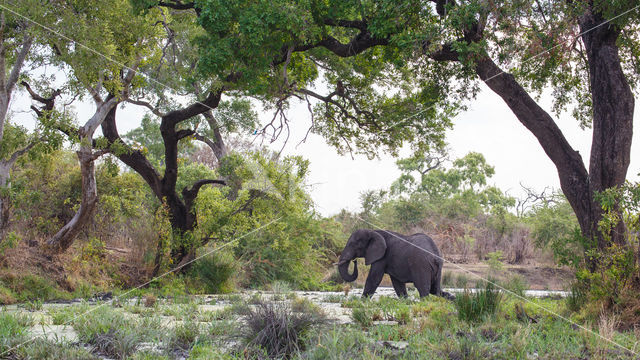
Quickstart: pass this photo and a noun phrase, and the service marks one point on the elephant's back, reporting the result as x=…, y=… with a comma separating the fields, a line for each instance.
x=426, y=243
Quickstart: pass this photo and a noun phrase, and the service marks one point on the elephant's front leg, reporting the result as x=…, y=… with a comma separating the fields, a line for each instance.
x=373, y=280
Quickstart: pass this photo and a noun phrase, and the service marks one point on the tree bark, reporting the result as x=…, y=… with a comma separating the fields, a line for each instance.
x=181, y=215
x=5, y=200
x=613, y=106
x=7, y=85
x=64, y=238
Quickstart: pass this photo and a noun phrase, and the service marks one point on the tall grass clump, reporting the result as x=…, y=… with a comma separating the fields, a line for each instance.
x=576, y=298
x=276, y=331
x=214, y=273
x=475, y=306
x=13, y=330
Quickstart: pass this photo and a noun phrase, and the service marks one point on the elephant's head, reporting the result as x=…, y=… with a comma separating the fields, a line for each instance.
x=362, y=243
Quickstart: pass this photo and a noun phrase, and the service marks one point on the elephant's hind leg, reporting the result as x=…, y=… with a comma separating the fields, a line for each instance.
x=399, y=287
x=423, y=284
x=435, y=284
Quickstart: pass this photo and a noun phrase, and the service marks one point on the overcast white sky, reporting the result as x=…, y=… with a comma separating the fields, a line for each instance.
x=488, y=127
x=336, y=181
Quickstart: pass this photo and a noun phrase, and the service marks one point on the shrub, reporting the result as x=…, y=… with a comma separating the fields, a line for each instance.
x=495, y=261
x=475, y=306
x=214, y=272
x=277, y=331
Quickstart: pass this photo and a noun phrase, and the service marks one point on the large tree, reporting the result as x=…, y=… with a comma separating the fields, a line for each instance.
x=398, y=70
x=16, y=40
x=98, y=55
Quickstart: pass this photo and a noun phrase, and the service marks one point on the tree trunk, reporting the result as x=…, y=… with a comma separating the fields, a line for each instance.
x=62, y=240
x=5, y=200
x=181, y=216
x=613, y=105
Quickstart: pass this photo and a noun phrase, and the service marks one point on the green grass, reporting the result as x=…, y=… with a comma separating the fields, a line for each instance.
x=431, y=328
x=475, y=306
x=13, y=330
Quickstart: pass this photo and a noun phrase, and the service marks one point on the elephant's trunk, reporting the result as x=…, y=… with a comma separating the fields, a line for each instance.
x=343, y=268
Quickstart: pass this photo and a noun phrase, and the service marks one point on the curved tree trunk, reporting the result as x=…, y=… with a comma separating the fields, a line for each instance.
x=613, y=105
x=63, y=239
x=181, y=215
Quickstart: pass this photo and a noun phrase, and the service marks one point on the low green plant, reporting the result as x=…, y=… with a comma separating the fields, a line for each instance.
x=13, y=330
x=206, y=351
x=33, y=305
x=333, y=298
x=49, y=350
x=214, y=273
x=364, y=314
x=273, y=329
x=301, y=304
x=185, y=334
x=339, y=343
x=118, y=343
x=280, y=287
x=475, y=306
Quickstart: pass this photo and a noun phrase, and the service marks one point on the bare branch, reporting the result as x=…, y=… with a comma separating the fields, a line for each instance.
x=148, y=105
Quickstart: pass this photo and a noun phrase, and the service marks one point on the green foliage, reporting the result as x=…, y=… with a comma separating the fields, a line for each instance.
x=31, y=287
x=476, y=306
x=554, y=225
x=577, y=296
x=214, y=273
x=495, y=261
x=291, y=249
x=12, y=331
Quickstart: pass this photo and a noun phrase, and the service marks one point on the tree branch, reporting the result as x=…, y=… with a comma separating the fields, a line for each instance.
x=19, y=62
x=148, y=105
x=178, y=5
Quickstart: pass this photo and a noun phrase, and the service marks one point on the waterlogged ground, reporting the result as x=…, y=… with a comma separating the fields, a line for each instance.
x=216, y=326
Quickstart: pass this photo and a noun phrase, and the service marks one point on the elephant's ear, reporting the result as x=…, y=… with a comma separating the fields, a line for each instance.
x=376, y=249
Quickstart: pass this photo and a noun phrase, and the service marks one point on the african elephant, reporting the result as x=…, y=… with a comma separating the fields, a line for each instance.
x=402, y=257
